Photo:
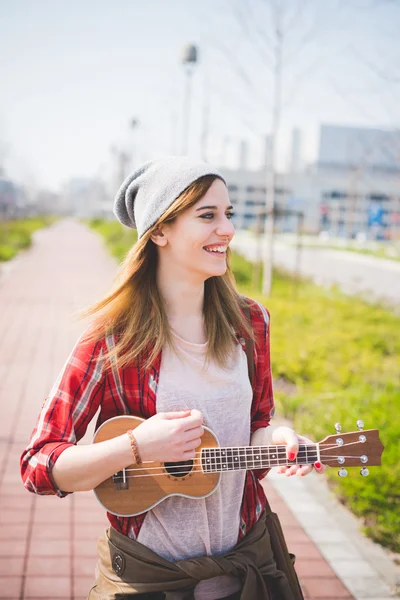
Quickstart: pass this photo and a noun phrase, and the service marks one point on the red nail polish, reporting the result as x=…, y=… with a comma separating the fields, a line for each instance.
x=291, y=455
x=317, y=465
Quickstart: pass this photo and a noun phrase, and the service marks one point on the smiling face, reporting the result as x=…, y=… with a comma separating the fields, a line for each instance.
x=194, y=244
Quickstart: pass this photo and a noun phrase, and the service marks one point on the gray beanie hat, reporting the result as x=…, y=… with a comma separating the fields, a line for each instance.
x=147, y=193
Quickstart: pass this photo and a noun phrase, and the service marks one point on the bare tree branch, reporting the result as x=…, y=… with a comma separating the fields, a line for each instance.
x=293, y=22
x=248, y=32
x=242, y=113
x=298, y=82
x=351, y=102
x=237, y=68
x=308, y=37
x=382, y=74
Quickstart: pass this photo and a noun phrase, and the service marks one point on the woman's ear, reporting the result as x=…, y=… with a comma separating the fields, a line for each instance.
x=158, y=237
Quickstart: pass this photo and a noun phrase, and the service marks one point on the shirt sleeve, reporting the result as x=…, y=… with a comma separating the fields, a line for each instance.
x=65, y=415
x=263, y=407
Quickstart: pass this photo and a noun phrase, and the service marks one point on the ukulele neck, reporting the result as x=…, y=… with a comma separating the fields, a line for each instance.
x=215, y=460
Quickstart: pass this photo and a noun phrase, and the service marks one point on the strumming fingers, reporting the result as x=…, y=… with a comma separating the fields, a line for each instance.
x=194, y=433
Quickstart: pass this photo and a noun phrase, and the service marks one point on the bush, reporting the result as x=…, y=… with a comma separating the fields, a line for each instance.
x=119, y=239
x=7, y=252
x=17, y=235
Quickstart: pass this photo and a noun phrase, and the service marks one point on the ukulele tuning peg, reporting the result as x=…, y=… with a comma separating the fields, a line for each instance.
x=360, y=425
x=364, y=472
x=338, y=427
x=342, y=472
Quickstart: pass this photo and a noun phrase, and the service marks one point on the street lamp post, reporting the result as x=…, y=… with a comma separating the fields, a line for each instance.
x=133, y=125
x=190, y=57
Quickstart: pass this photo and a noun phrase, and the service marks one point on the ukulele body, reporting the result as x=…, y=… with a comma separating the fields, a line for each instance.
x=138, y=488
x=129, y=495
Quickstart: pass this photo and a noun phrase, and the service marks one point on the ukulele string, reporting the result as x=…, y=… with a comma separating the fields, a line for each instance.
x=281, y=452
x=199, y=463
x=121, y=477
x=279, y=449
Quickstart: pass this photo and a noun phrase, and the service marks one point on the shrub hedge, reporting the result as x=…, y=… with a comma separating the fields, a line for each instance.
x=17, y=235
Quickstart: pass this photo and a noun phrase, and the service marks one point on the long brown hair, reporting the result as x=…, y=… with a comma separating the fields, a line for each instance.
x=134, y=309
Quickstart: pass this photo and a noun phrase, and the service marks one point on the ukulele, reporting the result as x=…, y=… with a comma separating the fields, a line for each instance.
x=138, y=488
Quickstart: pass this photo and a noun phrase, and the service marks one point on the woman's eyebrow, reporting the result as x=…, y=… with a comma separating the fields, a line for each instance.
x=213, y=207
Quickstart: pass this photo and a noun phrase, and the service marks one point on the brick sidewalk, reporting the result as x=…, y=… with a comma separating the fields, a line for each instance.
x=47, y=544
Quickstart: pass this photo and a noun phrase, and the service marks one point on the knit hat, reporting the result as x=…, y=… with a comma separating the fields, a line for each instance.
x=147, y=193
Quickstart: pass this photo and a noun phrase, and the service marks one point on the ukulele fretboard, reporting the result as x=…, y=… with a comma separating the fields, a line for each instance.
x=254, y=457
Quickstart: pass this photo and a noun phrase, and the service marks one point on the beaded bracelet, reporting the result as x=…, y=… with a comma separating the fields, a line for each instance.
x=135, y=449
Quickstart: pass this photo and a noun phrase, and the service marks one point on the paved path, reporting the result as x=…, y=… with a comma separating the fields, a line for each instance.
x=374, y=278
x=47, y=544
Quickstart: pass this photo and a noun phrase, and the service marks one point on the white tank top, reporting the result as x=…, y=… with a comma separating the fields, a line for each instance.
x=180, y=528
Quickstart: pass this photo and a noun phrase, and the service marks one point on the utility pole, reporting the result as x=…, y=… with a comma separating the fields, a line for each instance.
x=134, y=123
x=190, y=55
x=174, y=141
x=350, y=211
x=205, y=121
x=122, y=161
x=271, y=175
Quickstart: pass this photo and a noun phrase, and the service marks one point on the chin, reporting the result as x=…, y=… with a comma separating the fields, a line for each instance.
x=217, y=272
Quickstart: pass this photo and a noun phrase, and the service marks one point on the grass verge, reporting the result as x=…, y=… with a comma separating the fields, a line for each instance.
x=17, y=235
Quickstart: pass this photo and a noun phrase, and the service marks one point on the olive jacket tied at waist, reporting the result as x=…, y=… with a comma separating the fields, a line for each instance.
x=128, y=567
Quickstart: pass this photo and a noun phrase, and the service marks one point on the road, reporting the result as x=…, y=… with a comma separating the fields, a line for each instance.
x=373, y=278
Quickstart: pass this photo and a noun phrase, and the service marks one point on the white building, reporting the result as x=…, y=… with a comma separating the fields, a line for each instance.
x=354, y=186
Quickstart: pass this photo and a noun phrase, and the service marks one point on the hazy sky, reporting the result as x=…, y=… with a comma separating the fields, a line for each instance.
x=73, y=75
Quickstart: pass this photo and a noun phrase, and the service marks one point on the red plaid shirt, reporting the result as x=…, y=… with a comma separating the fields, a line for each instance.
x=84, y=385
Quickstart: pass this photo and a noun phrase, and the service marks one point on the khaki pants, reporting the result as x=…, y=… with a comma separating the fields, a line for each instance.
x=108, y=584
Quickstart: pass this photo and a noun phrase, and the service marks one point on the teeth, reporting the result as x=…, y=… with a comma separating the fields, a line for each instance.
x=218, y=249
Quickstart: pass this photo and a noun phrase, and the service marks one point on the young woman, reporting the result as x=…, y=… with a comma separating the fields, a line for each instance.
x=168, y=345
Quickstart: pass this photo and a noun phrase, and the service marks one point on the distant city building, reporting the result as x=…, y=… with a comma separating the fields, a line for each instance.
x=48, y=203
x=295, y=155
x=12, y=199
x=85, y=198
x=342, y=147
x=353, y=188
x=360, y=172
x=247, y=192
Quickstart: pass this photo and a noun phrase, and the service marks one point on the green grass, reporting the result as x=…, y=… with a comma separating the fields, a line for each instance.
x=334, y=358
x=17, y=235
x=118, y=239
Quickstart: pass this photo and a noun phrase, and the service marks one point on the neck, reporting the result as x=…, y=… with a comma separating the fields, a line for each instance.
x=254, y=457
x=183, y=297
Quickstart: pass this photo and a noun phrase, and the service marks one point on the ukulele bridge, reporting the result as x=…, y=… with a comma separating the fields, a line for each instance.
x=121, y=480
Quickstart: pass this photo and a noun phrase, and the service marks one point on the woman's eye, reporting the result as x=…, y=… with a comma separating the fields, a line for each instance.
x=209, y=216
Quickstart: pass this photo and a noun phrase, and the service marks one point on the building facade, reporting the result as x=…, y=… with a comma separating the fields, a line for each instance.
x=353, y=188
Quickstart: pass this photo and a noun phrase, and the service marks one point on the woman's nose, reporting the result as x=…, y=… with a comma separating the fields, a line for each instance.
x=226, y=228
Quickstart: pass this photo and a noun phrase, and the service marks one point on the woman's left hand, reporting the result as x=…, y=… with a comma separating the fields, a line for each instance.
x=288, y=437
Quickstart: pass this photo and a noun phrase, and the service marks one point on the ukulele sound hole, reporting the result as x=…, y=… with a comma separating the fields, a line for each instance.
x=179, y=469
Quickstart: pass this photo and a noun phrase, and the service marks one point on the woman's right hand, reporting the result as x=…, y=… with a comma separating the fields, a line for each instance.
x=170, y=437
